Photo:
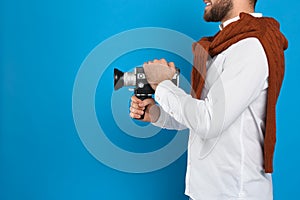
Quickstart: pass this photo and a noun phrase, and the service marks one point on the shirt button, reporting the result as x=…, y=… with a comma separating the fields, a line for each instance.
x=171, y=113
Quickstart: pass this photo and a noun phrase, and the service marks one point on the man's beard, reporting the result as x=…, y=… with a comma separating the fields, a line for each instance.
x=218, y=11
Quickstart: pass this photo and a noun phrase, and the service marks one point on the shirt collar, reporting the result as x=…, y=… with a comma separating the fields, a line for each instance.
x=229, y=21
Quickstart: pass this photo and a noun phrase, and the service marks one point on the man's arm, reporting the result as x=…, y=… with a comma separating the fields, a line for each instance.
x=153, y=113
x=240, y=83
x=166, y=121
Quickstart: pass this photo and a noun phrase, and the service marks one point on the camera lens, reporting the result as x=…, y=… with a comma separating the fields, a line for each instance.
x=118, y=79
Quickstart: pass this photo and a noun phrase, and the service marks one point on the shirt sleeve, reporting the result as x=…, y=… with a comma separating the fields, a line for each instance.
x=241, y=80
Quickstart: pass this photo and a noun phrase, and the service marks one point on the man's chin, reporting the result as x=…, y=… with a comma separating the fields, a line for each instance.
x=205, y=19
x=208, y=18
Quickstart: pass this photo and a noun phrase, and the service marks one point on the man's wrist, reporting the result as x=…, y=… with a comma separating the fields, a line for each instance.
x=154, y=112
x=154, y=86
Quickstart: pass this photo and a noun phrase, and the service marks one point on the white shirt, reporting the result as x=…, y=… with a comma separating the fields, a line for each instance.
x=225, y=148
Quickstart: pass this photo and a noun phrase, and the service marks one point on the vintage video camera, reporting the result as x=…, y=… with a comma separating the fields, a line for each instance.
x=138, y=79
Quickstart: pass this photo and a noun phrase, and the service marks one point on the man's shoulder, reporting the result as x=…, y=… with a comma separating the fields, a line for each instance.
x=247, y=53
x=247, y=46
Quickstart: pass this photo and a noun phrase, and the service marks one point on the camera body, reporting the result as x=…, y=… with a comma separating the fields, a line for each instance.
x=137, y=79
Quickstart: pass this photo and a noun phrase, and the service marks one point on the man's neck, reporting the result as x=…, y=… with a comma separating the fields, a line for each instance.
x=237, y=9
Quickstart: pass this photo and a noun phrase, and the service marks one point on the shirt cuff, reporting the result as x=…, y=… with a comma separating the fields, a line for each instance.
x=166, y=95
x=160, y=93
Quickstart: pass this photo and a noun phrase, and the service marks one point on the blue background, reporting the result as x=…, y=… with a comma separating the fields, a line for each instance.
x=42, y=45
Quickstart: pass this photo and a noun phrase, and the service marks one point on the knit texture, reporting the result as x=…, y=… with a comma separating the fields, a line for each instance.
x=267, y=31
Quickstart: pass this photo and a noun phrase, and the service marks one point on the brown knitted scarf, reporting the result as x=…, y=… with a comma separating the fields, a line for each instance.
x=266, y=30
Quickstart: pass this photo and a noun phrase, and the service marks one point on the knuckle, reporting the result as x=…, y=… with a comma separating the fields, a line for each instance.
x=163, y=60
x=137, y=116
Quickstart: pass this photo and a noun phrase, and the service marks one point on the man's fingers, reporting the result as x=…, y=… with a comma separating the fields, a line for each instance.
x=172, y=65
x=149, y=62
x=138, y=108
x=142, y=104
x=136, y=116
x=136, y=111
x=139, y=104
x=163, y=61
x=146, y=102
x=156, y=61
x=135, y=99
x=135, y=105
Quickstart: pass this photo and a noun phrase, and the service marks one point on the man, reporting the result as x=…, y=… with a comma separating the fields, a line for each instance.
x=236, y=80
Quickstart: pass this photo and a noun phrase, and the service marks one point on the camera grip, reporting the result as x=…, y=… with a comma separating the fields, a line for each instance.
x=143, y=98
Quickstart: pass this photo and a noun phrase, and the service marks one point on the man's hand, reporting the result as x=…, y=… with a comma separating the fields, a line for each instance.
x=138, y=107
x=158, y=70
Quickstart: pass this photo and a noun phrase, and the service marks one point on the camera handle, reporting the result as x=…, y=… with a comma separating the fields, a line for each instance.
x=143, y=91
x=143, y=97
